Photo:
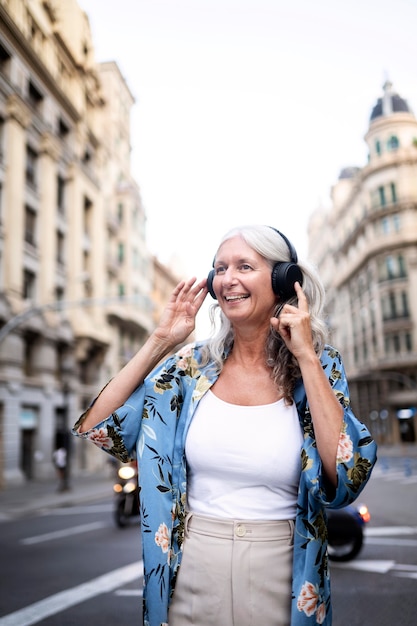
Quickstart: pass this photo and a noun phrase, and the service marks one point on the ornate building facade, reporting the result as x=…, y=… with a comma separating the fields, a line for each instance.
x=365, y=247
x=76, y=277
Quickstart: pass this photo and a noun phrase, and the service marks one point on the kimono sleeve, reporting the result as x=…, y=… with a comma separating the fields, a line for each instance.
x=356, y=453
x=118, y=433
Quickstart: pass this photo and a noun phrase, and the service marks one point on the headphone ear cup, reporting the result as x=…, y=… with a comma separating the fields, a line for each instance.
x=283, y=277
x=210, y=278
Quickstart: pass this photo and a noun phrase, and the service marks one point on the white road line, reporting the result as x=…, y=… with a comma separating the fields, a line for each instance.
x=129, y=592
x=66, y=532
x=378, y=567
x=59, y=602
x=387, y=531
x=76, y=510
x=381, y=541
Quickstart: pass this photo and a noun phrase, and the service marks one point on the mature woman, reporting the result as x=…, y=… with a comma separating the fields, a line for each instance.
x=241, y=441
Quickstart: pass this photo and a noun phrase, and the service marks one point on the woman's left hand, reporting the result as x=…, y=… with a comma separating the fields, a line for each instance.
x=294, y=326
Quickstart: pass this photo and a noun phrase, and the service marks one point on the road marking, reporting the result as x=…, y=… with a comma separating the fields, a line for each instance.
x=381, y=541
x=76, y=510
x=387, y=531
x=59, y=602
x=377, y=567
x=128, y=592
x=66, y=532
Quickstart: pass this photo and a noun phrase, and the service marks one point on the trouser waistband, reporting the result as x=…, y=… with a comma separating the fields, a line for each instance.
x=251, y=530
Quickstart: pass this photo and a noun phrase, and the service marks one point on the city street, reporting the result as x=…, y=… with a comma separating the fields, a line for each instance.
x=71, y=565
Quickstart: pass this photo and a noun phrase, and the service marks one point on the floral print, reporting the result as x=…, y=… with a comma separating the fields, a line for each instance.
x=162, y=537
x=101, y=438
x=309, y=602
x=344, y=449
x=152, y=427
x=308, y=598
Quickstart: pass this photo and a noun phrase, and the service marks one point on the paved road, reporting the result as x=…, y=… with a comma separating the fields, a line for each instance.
x=64, y=562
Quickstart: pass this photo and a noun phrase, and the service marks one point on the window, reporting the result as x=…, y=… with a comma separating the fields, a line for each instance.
x=63, y=129
x=397, y=222
x=385, y=225
x=31, y=166
x=60, y=244
x=35, y=96
x=393, y=192
x=29, y=285
x=393, y=143
x=404, y=304
x=121, y=253
x=392, y=306
x=381, y=194
x=378, y=147
x=4, y=61
x=395, y=306
x=392, y=267
x=120, y=212
x=30, y=226
x=29, y=353
x=60, y=195
x=59, y=294
x=88, y=210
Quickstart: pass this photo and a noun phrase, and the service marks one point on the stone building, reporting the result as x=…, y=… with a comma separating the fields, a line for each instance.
x=75, y=273
x=365, y=247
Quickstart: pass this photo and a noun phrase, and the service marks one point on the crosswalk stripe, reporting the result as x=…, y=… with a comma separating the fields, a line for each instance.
x=61, y=601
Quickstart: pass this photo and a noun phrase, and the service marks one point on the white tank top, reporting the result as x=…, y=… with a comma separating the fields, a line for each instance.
x=243, y=461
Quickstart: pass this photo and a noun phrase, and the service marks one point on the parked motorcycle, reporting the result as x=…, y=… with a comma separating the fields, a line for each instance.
x=345, y=531
x=127, y=492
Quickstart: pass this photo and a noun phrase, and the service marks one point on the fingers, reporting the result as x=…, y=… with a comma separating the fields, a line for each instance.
x=302, y=299
x=190, y=291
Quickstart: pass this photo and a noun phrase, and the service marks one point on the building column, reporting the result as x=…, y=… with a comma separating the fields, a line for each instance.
x=17, y=120
x=48, y=158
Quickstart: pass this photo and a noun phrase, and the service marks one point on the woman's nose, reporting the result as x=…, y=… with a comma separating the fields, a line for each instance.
x=229, y=276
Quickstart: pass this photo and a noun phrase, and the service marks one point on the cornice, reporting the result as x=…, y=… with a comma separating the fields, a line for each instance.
x=34, y=62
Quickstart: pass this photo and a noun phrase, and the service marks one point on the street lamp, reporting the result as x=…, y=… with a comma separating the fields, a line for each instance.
x=66, y=374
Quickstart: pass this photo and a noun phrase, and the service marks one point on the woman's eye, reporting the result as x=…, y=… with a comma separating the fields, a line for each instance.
x=245, y=266
x=220, y=269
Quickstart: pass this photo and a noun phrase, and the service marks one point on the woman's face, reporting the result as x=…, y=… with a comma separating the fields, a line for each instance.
x=242, y=283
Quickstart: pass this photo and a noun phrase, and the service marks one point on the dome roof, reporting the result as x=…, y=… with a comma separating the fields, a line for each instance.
x=390, y=103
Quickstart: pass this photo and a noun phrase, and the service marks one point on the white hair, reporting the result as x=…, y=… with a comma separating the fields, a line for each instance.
x=269, y=243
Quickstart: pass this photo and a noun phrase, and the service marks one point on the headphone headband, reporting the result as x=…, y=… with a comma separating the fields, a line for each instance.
x=292, y=250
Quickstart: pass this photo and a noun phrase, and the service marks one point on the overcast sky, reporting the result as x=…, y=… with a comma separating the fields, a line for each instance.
x=247, y=110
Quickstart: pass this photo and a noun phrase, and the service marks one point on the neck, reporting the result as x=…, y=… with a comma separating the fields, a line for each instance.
x=249, y=347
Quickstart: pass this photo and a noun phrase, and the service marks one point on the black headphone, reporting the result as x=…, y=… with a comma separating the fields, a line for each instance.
x=284, y=274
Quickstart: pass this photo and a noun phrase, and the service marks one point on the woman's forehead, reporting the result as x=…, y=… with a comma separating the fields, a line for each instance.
x=237, y=248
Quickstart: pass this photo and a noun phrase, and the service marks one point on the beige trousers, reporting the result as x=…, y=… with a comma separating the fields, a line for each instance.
x=234, y=573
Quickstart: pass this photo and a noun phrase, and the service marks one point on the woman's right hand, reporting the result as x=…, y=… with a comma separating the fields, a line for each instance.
x=177, y=322
x=178, y=319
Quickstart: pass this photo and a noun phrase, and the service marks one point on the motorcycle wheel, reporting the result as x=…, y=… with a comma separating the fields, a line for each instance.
x=346, y=551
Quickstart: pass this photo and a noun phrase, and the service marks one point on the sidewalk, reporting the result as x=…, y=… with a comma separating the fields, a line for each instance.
x=34, y=496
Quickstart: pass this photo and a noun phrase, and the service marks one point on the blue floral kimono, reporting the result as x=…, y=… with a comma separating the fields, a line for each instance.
x=152, y=426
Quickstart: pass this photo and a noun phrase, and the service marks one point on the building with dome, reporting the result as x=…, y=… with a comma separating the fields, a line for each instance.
x=365, y=247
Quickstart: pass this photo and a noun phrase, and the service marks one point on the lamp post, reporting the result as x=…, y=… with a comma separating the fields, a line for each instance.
x=66, y=372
